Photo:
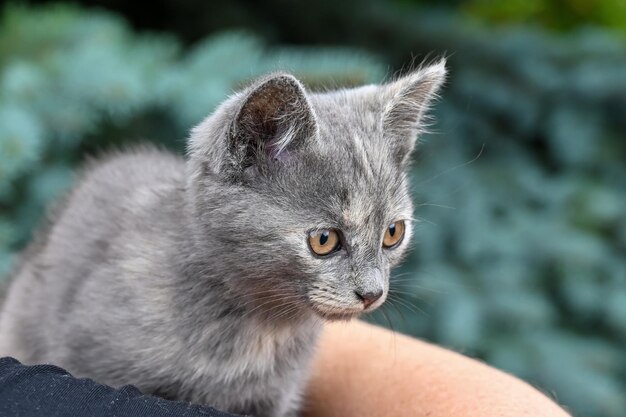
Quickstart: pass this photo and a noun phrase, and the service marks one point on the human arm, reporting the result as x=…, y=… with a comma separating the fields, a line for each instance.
x=364, y=370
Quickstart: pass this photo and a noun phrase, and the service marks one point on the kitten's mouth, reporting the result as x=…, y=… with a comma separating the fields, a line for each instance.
x=336, y=313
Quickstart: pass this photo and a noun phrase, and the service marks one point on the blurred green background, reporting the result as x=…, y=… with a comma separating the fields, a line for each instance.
x=521, y=186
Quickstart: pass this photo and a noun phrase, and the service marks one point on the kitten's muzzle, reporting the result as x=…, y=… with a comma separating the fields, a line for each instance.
x=370, y=288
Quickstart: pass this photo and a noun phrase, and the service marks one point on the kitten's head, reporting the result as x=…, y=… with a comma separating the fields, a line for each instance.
x=302, y=199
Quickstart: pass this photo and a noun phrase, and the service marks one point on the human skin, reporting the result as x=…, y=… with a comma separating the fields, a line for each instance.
x=364, y=370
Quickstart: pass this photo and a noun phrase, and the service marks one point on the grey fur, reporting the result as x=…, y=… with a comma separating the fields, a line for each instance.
x=193, y=279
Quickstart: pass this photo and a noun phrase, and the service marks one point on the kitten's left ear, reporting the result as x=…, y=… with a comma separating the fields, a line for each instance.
x=406, y=102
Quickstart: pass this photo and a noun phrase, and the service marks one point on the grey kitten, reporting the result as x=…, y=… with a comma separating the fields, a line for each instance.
x=208, y=279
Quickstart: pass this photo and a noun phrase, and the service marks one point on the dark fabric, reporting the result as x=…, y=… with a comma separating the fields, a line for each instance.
x=49, y=391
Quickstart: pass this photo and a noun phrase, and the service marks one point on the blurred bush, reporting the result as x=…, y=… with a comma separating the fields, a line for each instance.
x=553, y=14
x=520, y=257
x=560, y=15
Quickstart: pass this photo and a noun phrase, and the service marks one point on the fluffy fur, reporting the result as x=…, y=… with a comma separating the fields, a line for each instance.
x=192, y=279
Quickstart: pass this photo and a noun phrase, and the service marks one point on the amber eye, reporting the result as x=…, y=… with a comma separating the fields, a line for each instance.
x=324, y=241
x=394, y=234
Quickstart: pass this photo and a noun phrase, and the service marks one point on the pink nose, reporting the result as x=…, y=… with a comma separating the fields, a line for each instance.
x=369, y=298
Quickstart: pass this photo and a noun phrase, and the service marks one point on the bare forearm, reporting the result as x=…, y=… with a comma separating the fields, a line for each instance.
x=364, y=370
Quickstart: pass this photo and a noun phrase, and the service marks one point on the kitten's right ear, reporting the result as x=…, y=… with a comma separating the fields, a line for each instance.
x=274, y=119
x=264, y=125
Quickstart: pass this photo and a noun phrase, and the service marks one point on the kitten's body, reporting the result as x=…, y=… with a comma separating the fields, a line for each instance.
x=114, y=311
x=189, y=279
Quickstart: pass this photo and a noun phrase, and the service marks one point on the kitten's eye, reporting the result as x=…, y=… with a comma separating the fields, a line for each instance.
x=394, y=234
x=323, y=242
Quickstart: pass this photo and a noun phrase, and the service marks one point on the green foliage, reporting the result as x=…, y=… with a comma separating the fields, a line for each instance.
x=519, y=257
x=554, y=14
x=561, y=15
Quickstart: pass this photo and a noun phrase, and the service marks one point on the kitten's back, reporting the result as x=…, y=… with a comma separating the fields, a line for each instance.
x=106, y=201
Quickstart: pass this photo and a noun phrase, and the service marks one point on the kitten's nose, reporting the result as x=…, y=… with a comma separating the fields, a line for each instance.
x=368, y=298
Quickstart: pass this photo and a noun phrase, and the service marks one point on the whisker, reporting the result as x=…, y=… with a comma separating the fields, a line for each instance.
x=454, y=168
x=434, y=205
x=408, y=305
